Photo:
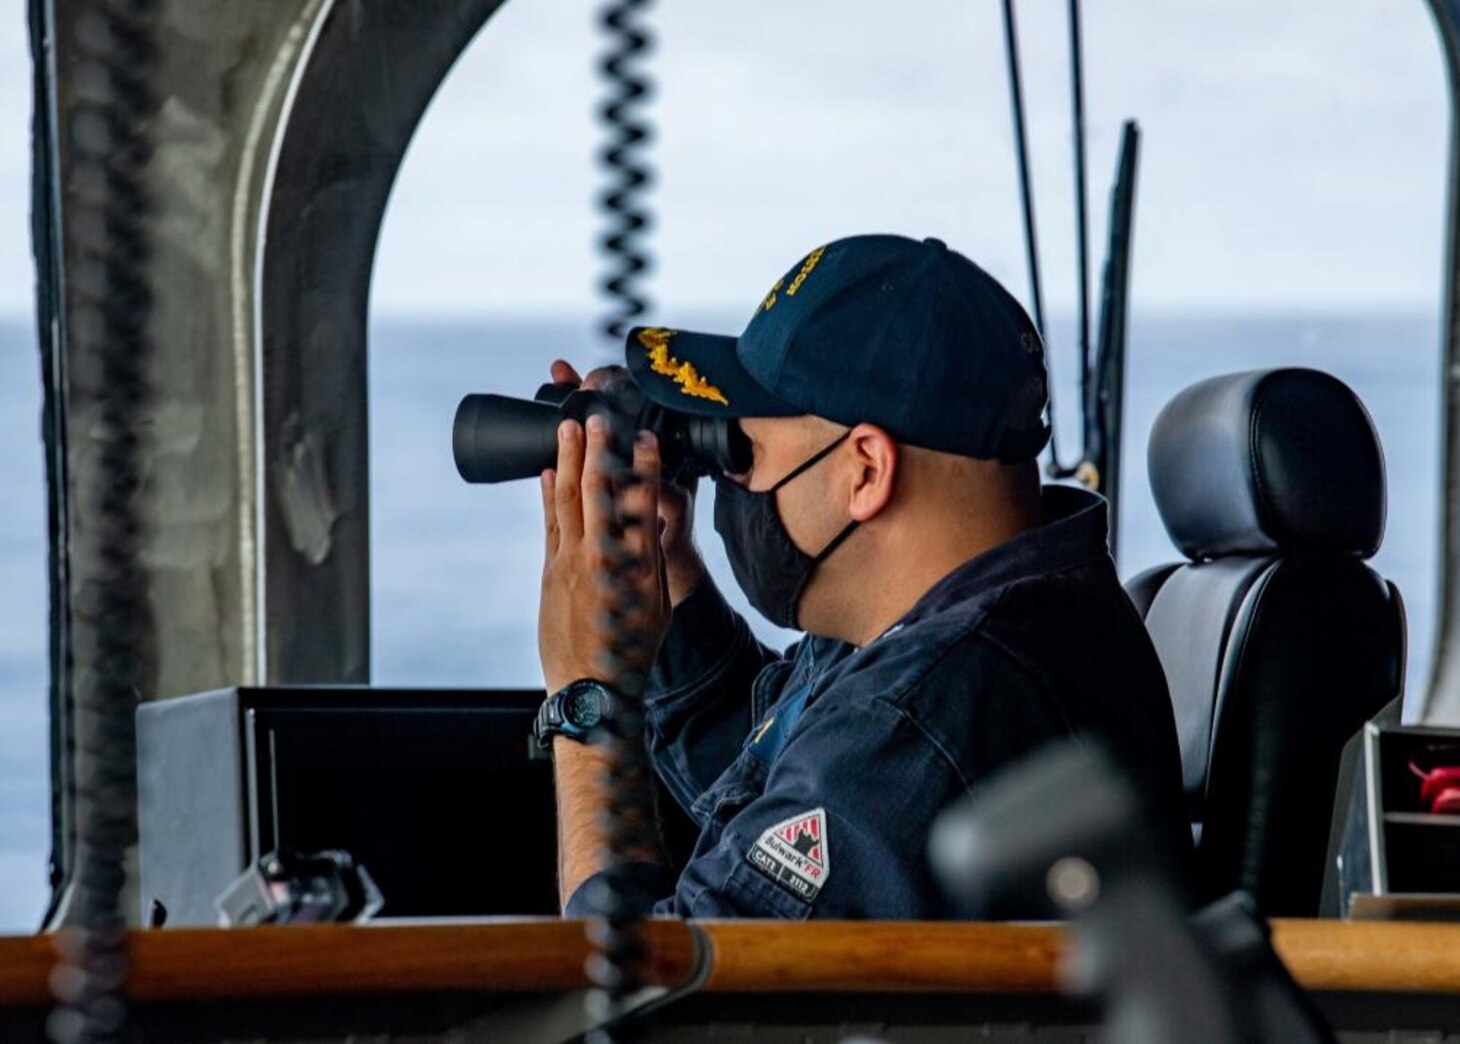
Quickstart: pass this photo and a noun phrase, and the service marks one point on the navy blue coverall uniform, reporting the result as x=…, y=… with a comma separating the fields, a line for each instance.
x=815, y=778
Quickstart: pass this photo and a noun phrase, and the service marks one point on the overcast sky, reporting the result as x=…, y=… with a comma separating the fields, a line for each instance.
x=16, y=273
x=1294, y=151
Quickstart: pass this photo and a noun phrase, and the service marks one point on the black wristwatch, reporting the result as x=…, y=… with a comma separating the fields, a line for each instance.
x=574, y=711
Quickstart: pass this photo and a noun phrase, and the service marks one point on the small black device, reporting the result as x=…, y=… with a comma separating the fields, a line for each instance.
x=1066, y=830
x=293, y=888
x=496, y=438
x=574, y=711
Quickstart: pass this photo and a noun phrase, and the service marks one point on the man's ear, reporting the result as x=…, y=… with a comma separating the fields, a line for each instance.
x=875, y=459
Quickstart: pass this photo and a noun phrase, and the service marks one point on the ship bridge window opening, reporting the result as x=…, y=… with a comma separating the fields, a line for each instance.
x=25, y=781
x=1289, y=212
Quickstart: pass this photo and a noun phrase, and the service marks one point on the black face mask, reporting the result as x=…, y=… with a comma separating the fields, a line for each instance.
x=768, y=566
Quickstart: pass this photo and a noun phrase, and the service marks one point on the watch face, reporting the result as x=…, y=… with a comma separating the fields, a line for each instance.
x=584, y=708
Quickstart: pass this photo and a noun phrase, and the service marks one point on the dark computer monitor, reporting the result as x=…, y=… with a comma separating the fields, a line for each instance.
x=433, y=791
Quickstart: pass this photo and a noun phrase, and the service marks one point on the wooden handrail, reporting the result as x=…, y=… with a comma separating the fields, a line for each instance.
x=877, y=956
x=1371, y=956
x=743, y=956
x=303, y=960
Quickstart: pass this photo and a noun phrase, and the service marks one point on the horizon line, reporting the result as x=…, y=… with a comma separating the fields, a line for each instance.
x=710, y=310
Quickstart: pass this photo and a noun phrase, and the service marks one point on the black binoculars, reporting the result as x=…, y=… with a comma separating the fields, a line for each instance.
x=496, y=438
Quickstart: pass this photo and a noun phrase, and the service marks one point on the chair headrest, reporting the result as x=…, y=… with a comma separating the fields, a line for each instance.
x=1268, y=460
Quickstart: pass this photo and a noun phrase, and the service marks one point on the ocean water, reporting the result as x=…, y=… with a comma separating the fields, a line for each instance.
x=456, y=567
x=25, y=782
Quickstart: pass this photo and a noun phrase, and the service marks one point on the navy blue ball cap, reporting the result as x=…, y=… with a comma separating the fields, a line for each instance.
x=901, y=333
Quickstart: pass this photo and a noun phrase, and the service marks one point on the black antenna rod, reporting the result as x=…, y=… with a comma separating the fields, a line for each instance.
x=1031, y=240
x=1021, y=148
x=1082, y=221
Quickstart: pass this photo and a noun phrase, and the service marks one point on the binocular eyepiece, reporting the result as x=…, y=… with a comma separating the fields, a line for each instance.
x=496, y=438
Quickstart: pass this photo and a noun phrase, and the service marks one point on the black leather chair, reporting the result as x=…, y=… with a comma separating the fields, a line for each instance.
x=1277, y=640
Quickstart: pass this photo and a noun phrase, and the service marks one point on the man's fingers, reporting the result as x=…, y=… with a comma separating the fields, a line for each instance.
x=563, y=373
x=546, y=481
x=597, y=474
x=568, y=484
x=641, y=503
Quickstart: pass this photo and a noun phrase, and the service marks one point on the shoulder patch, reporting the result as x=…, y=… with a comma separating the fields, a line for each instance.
x=795, y=855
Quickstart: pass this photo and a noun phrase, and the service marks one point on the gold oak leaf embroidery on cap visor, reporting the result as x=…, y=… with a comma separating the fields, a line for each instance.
x=656, y=343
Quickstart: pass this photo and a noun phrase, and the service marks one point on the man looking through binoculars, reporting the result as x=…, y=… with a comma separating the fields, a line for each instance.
x=957, y=615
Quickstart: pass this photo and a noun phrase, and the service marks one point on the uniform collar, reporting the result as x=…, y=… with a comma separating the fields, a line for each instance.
x=1073, y=534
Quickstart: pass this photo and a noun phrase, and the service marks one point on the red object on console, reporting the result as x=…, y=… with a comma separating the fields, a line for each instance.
x=1440, y=785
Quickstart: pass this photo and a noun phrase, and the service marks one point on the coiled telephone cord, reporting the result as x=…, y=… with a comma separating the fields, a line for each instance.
x=110, y=305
